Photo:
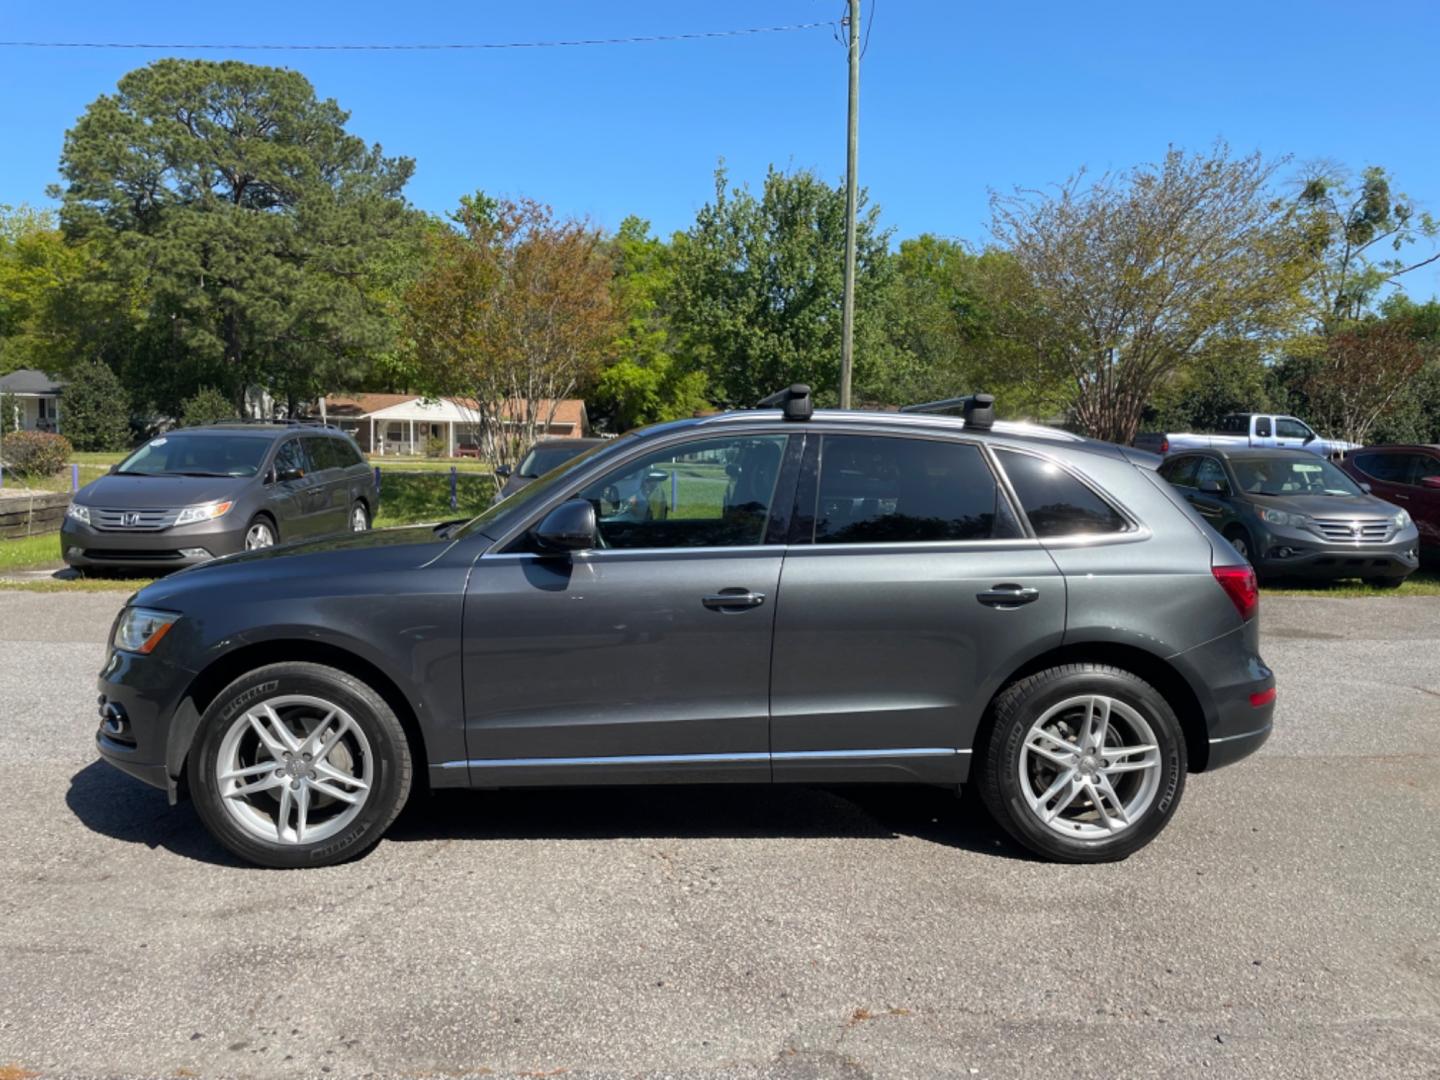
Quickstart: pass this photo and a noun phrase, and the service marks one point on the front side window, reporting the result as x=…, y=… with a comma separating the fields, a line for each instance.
x=880, y=489
x=715, y=492
x=1211, y=471
x=1056, y=502
x=1180, y=471
x=1286, y=428
x=290, y=458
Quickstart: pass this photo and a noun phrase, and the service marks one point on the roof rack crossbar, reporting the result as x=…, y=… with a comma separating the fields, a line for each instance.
x=794, y=402
x=977, y=409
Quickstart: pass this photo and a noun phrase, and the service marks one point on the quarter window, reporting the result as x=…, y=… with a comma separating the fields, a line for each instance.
x=1057, y=503
x=711, y=493
x=879, y=489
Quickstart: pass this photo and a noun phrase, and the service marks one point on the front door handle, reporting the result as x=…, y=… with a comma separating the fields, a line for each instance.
x=733, y=600
x=1007, y=596
x=1397, y=495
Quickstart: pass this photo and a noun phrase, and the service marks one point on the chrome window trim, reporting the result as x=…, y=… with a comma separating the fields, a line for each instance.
x=706, y=759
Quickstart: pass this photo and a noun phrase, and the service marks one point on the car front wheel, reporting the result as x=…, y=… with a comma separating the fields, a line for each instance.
x=1083, y=763
x=299, y=764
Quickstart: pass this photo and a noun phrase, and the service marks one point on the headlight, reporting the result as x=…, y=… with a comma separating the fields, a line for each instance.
x=205, y=512
x=1402, y=520
x=140, y=629
x=78, y=512
x=1280, y=517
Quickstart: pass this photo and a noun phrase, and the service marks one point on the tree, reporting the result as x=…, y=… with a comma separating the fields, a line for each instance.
x=1228, y=375
x=37, y=268
x=1357, y=231
x=758, y=289
x=95, y=411
x=513, y=313
x=1137, y=273
x=644, y=381
x=206, y=406
x=961, y=321
x=234, y=211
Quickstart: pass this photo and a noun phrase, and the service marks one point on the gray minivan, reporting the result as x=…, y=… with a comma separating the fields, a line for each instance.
x=198, y=493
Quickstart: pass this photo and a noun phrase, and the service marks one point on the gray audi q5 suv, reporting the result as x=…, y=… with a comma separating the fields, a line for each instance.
x=198, y=493
x=829, y=597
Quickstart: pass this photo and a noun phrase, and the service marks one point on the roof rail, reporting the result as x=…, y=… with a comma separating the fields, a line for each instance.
x=977, y=409
x=794, y=402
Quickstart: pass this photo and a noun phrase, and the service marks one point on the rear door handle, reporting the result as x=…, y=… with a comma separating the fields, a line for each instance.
x=1008, y=596
x=733, y=599
x=1396, y=495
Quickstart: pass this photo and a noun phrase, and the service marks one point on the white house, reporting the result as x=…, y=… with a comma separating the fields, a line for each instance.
x=407, y=423
x=35, y=397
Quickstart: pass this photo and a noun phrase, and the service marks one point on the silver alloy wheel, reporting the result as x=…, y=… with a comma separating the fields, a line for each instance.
x=294, y=769
x=1090, y=767
x=259, y=535
x=1241, y=547
x=359, y=521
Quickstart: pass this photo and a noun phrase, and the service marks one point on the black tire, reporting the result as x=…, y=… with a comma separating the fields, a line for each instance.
x=1020, y=706
x=385, y=738
x=1240, y=540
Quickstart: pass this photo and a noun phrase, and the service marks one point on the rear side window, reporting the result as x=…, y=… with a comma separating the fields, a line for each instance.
x=324, y=452
x=1390, y=468
x=346, y=453
x=882, y=490
x=1057, y=503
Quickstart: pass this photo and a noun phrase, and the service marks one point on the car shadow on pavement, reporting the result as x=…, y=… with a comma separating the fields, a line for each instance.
x=115, y=805
x=108, y=802
x=735, y=811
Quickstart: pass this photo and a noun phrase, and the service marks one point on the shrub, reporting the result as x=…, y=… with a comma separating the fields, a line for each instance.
x=95, y=411
x=35, y=453
x=207, y=406
x=437, y=447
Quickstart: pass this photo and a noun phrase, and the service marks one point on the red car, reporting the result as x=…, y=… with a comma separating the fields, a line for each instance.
x=1409, y=477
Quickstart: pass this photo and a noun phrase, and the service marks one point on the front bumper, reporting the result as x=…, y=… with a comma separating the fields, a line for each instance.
x=83, y=545
x=145, y=719
x=1300, y=553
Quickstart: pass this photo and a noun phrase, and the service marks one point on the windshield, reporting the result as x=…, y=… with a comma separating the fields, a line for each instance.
x=540, y=488
x=542, y=459
x=198, y=455
x=1286, y=476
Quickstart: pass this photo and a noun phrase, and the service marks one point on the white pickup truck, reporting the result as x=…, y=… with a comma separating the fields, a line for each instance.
x=1246, y=429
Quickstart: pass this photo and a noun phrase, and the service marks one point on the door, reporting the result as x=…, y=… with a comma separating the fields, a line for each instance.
x=1210, y=495
x=1264, y=431
x=648, y=657
x=1423, y=497
x=290, y=501
x=912, y=591
x=1292, y=434
x=330, y=493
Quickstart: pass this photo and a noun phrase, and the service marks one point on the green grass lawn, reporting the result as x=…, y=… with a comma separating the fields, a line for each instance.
x=408, y=497
x=1420, y=583
x=30, y=552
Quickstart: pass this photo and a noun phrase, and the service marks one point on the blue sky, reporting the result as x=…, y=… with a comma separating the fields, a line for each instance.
x=957, y=97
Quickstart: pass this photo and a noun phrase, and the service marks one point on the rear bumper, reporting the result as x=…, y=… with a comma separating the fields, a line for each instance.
x=1235, y=690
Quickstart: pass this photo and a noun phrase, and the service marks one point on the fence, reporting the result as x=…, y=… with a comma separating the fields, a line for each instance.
x=28, y=513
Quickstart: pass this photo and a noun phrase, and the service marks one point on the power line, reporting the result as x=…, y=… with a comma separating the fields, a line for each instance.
x=419, y=46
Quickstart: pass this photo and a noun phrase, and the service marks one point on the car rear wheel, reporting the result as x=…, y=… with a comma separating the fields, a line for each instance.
x=299, y=764
x=260, y=533
x=1082, y=763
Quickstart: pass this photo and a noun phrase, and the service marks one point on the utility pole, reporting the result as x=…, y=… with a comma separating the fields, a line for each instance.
x=852, y=139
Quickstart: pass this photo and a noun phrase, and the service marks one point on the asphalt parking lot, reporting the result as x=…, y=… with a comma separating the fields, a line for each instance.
x=1287, y=924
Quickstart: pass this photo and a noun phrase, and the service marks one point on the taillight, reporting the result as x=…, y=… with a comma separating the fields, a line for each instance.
x=1164, y=446
x=1240, y=585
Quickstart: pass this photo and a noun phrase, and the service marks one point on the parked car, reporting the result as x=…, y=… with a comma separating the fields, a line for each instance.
x=193, y=494
x=962, y=602
x=1408, y=476
x=538, y=460
x=1241, y=430
x=1293, y=515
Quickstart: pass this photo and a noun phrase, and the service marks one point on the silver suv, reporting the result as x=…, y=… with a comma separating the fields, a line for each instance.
x=191, y=495
x=827, y=597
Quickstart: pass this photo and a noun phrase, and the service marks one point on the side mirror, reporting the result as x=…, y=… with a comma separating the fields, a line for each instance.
x=502, y=471
x=569, y=527
x=294, y=472
x=1212, y=487
x=1364, y=487
x=113, y=469
x=1432, y=482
